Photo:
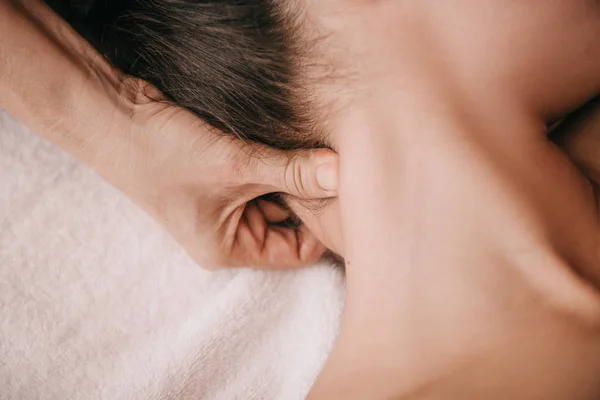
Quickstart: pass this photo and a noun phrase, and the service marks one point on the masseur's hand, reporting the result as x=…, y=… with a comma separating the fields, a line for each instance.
x=200, y=185
x=578, y=136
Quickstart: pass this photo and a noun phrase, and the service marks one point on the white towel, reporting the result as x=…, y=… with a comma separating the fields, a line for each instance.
x=97, y=302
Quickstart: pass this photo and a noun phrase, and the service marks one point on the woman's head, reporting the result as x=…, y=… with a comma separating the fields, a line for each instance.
x=277, y=71
x=235, y=63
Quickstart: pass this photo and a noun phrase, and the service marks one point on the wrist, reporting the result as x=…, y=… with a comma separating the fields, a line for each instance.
x=53, y=81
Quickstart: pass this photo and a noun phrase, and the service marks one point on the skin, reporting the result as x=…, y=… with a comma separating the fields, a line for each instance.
x=471, y=241
x=201, y=186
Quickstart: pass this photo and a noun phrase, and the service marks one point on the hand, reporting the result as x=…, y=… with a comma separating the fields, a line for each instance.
x=578, y=136
x=200, y=185
x=204, y=187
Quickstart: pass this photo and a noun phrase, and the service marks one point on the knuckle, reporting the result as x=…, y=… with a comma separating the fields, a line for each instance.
x=295, y=176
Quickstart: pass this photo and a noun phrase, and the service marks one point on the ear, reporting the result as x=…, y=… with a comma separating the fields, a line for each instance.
x=322, y=219
x=263, y=240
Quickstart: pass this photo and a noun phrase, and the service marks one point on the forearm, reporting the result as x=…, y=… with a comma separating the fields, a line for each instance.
x=54, y=82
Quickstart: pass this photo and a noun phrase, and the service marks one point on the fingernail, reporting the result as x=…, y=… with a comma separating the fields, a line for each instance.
x=327, y=176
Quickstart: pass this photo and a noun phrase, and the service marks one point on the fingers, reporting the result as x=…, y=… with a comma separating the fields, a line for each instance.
x=311, y=174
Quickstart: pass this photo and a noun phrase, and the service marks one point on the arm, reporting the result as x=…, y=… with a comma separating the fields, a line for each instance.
x=53, y=81
x=201, y=186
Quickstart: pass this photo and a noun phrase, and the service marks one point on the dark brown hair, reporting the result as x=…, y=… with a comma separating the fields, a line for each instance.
x=235, y=63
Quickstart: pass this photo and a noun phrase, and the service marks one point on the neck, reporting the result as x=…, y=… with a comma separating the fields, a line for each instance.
x=393, y=55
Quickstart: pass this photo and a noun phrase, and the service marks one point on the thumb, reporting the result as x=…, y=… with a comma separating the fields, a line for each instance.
x=306, y=174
